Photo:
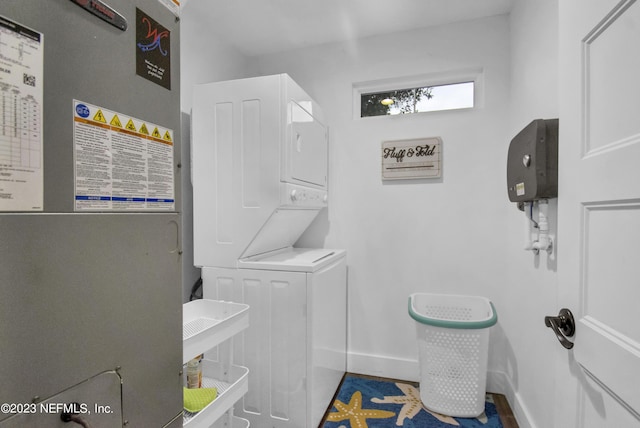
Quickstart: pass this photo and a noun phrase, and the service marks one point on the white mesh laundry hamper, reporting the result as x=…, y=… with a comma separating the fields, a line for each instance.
x=453, y=347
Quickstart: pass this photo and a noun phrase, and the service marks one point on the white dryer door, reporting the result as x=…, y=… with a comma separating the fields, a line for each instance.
x=307, y=149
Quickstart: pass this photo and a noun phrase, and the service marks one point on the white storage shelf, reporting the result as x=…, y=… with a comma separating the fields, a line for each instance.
x=206, y=324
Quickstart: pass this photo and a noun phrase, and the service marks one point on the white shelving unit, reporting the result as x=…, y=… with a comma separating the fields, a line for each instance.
x=205, y=325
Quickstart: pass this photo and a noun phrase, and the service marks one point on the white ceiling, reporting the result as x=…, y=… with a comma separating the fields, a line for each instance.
x=257, y=27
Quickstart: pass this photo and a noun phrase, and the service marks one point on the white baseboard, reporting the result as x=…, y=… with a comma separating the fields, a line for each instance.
x=500, y=383
x=382, y=366
x=404, y=369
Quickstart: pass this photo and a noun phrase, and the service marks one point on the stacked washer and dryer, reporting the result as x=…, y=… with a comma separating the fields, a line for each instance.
x=259, y=174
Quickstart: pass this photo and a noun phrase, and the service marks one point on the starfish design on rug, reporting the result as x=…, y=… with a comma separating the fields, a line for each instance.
x=354, y=412
x=411, y=405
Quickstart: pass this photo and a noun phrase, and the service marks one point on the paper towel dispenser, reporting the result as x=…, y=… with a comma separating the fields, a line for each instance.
x=532, y=162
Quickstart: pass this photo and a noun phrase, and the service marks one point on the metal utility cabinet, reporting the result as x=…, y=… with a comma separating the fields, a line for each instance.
x=90, y=271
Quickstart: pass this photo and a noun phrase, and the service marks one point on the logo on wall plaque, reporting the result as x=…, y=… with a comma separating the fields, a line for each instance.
x=153, y=50
x=409, y=159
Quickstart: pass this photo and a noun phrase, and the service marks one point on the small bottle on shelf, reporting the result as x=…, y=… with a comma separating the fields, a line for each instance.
x=194, y=373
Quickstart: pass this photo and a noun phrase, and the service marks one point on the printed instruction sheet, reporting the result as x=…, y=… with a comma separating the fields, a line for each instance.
x=21, y=99
x=121, y=163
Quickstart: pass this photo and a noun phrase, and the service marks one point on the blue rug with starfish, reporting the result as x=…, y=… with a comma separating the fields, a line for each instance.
x=364, y=402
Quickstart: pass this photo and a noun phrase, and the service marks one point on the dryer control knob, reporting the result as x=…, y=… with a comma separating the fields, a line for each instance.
x=294, y=195
x=325, y=198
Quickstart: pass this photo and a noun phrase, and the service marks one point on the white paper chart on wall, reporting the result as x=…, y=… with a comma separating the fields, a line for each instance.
x=21, y=95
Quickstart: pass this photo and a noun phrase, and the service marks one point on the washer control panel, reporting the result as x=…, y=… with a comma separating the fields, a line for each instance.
x=299, y=196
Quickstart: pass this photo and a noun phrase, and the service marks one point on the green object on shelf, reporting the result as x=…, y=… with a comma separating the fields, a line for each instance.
x=197, y=399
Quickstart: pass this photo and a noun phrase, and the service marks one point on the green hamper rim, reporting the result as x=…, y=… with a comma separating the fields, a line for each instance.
x=455, y=324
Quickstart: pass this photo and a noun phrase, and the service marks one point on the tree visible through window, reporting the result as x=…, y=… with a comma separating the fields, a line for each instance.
x=415, y=100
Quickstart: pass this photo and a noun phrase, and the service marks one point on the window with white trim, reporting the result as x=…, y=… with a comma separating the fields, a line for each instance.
x=457, y=91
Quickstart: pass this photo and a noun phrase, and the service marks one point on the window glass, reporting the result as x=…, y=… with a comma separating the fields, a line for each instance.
x=415, y=100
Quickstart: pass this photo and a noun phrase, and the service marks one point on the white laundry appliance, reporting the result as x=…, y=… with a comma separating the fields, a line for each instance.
x=259, y=162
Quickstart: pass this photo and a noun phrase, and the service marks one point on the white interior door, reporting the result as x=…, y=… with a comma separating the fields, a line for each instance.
x=599, y=212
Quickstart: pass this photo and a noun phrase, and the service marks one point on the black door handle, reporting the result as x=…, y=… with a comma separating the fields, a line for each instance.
x=563, y=326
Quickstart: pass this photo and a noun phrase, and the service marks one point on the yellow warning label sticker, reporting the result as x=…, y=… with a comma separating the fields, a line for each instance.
x=128, y=139
x=131, y=126
x=99, y=117
x=115, y=121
